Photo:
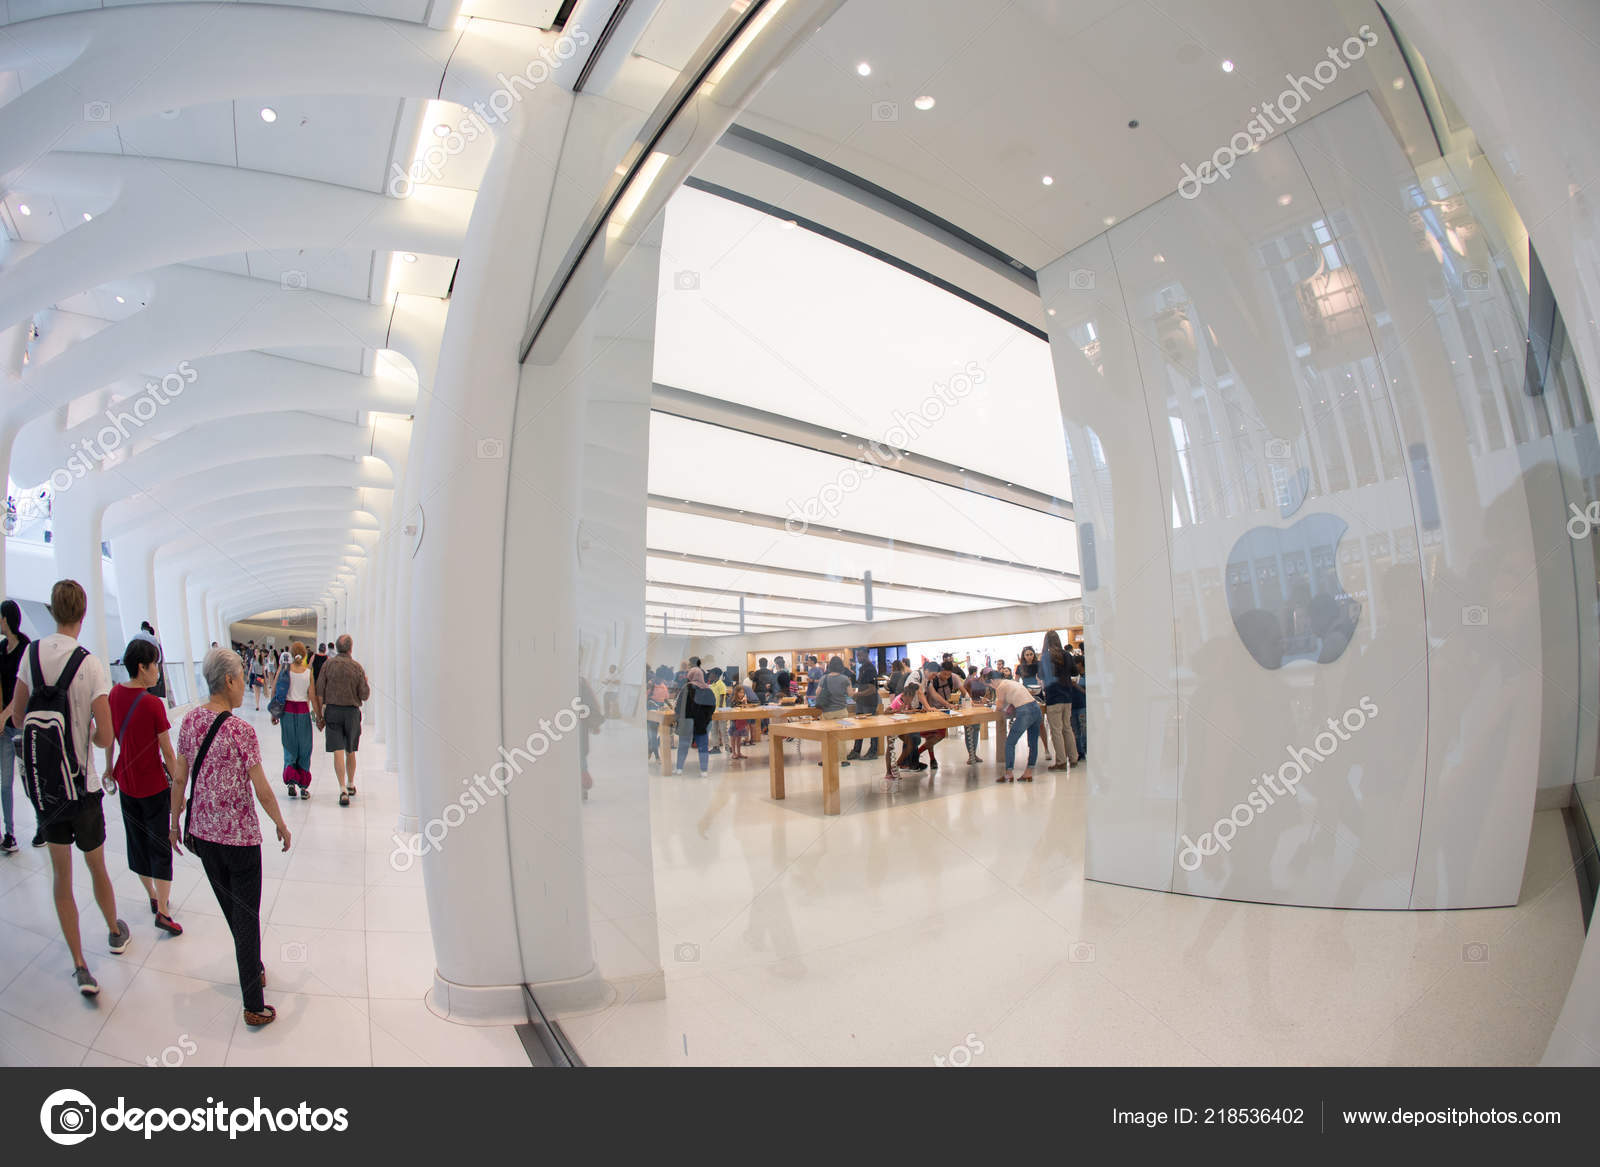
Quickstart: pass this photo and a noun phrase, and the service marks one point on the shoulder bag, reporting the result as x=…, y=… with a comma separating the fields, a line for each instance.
x=194, y=776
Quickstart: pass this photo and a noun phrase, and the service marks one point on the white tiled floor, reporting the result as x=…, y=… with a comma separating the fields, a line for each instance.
x=345, y=941
x=891, y=933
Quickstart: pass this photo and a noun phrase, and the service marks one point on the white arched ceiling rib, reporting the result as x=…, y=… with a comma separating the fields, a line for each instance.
x=315, y=480
x=154, y=211
x=233, y=385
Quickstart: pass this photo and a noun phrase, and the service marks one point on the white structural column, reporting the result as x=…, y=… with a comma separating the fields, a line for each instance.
x=482, y=957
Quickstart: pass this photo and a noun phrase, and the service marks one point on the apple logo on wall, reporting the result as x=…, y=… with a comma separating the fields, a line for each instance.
x=1284, y=591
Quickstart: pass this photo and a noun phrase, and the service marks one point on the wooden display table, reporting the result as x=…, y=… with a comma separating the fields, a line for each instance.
x=882, y=727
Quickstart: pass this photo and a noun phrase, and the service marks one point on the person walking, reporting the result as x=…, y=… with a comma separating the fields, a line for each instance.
x=141, y=758
x=300, y=704
x=60, y=680
x=613, y=687
x=695, y=705
x=717, y=731
x=147, y=632
x=318, y=659
x=219, y=764
x=16, y=643
x=339, y=692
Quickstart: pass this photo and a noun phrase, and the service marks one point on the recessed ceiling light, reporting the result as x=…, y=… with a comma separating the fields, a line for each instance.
x=87, y=216
x=1109, y=219
x=1285, y=199
x=864, y=69
x=25, y=208
x=1047, y=180
x=1227, y=66
x=409, y=257
x=923, y=102
x=268, y=114
x=120, y=300
x=1399, y=82
x=1049, y=311
x=441, y=131
x=1158, y=258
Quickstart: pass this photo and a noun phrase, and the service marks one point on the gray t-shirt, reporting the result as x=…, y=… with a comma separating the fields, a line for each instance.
x=833, y=692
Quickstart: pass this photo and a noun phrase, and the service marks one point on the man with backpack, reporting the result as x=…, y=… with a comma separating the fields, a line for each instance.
x=61, y=705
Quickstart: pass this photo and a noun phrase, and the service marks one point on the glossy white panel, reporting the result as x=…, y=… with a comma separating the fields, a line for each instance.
x=1301, y=455
x=1119, y=509
x=1451, y=350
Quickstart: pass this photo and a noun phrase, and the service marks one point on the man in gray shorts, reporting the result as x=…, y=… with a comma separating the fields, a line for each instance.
x=342, y=686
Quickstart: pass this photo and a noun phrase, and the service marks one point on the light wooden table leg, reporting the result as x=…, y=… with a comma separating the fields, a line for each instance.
x=830, y=776
x=775, y=764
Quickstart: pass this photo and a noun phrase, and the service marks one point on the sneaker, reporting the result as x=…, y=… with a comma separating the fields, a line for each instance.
x=290, y=787
x=714, y=750
x=87, y=985
x=168, y=925
x=9, y=844
x=305, y=792
x=118, y=941
x=38, y=838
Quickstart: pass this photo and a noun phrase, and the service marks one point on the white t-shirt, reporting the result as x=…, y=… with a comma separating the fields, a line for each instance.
x=93, y=680
x=1011, y=693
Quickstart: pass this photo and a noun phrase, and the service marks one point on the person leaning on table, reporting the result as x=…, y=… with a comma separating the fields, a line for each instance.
x=833, y=700
x=1026, y=716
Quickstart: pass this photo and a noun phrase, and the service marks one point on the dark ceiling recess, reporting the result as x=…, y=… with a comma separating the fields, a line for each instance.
x=562, y=15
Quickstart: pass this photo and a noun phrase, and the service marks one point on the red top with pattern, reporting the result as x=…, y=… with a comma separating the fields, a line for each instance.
x=222, y=806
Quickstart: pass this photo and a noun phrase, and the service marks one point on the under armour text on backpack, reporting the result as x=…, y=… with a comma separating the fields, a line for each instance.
x=52, y=772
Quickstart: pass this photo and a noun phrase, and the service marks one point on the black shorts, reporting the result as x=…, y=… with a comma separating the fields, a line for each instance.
x=80, y=822
x=147, y=822
x=344, y=727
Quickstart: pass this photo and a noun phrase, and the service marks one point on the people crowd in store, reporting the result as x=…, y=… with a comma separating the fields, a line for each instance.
x=1042, y=696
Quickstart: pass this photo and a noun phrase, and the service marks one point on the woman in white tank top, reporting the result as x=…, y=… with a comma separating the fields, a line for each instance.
x=299, y=704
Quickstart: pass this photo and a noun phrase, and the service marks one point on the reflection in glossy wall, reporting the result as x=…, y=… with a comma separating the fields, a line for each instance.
x=1329, y=371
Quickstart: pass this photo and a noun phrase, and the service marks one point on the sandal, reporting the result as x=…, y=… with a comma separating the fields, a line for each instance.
x=351, y=789
x=344, y=799
x=1026, y=778
x=256, y=1020
x=1004, y=778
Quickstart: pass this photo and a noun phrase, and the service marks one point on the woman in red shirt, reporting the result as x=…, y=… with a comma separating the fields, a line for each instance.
x=140, y=758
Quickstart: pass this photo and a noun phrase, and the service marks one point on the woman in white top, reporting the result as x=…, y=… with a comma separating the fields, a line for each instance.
x=1026, y=716
x=300, y=704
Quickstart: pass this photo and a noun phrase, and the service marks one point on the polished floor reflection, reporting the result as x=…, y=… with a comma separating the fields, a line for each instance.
x=345, y=941
x=913, y=925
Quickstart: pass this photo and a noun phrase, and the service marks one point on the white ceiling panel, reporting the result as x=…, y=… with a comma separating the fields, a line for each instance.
x=232, y=264
x=846, y=341
x=670, y=531
x=342, y=140
x=412, y=10
x=199, y=133
x=318, y=269
x=350, y=359
x=803, y=486
x=734, y=581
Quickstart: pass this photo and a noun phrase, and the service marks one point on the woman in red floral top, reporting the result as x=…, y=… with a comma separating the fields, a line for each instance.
x=222, y=828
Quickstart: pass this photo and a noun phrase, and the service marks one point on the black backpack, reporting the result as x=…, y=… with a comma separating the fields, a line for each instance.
x=52, y=772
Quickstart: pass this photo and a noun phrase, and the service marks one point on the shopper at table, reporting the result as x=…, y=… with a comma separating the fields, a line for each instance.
x=695, y=705
x=976, y=688
x=866, y=698
x=1026, y=716
x=785, y=680
x=1055, y=671
x=833, y=699
x=764, y=680
x=739, y=731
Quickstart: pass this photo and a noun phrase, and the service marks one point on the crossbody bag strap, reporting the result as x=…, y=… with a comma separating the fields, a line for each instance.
x=194, y=774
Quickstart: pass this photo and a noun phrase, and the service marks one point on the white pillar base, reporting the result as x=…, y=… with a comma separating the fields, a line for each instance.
x=478, y=1004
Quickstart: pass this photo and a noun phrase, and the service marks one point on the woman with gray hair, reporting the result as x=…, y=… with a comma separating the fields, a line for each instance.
x=219, y=763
